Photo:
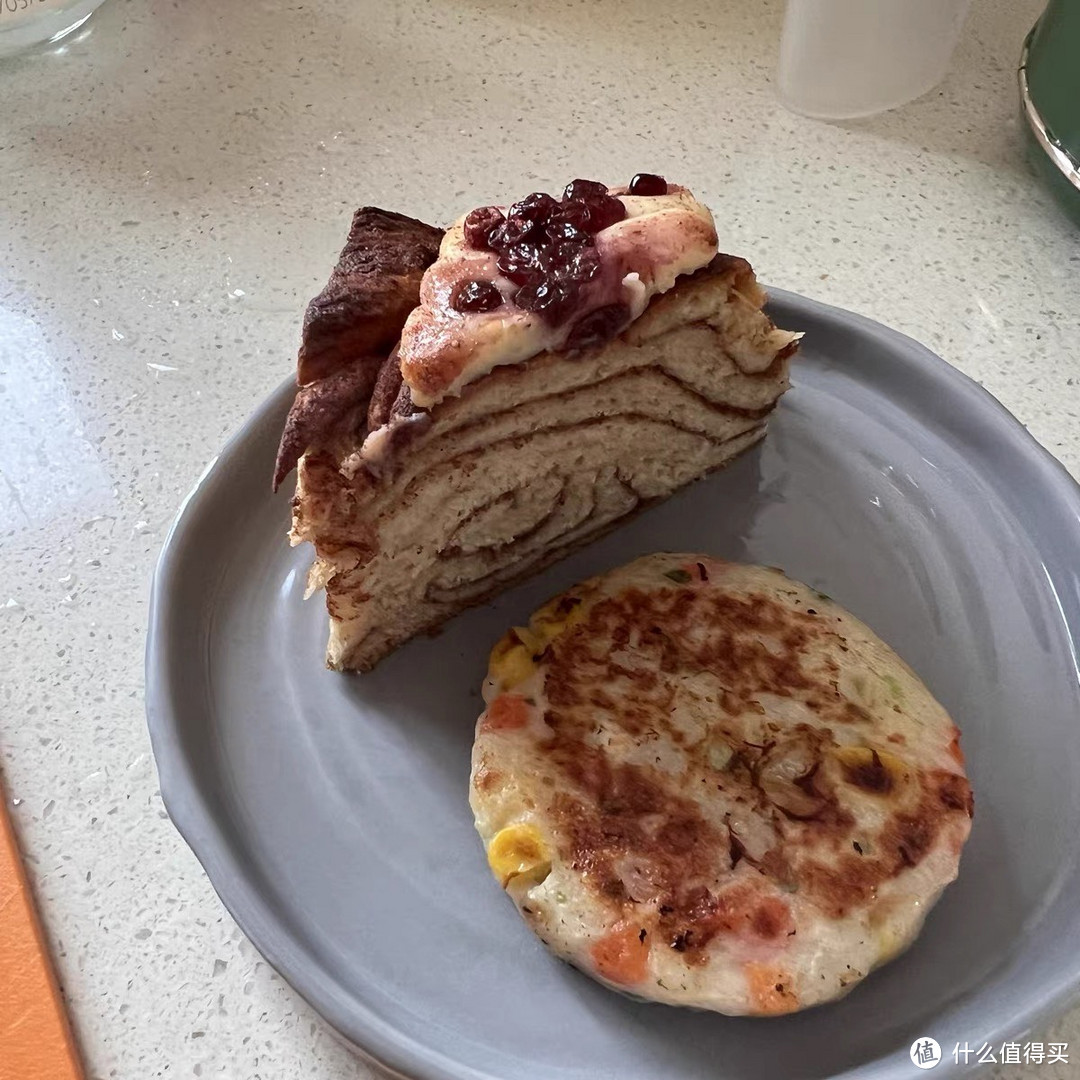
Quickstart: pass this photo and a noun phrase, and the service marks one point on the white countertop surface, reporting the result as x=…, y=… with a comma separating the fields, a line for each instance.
x=177, y=184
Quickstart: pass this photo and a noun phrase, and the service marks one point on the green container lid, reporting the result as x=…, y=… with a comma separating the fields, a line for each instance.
x=1050, y=99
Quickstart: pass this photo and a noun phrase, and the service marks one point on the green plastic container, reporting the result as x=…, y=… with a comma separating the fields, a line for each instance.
x=1050, y=100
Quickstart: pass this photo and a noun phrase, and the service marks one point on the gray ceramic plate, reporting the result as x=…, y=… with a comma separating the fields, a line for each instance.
x=330, y=811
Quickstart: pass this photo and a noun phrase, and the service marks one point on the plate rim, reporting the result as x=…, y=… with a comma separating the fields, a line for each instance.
x=354, y=1021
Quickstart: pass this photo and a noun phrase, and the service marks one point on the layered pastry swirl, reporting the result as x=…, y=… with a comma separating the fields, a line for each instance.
x=476, y=403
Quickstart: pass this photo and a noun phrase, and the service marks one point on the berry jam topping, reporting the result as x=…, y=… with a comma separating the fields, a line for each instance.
x=574, y=213
x=535, y=208
x=547, y=248
x=478, y=226
x=648, y=184
x=522, y=262
x=476, y=296
x=584, y=190
x=604, y=212
x=584, y=264
x=598, y=326
x=550, y=298
x=560, y=229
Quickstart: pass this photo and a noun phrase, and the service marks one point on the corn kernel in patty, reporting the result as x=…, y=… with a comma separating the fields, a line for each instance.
x=518, y=850
x=510, y=662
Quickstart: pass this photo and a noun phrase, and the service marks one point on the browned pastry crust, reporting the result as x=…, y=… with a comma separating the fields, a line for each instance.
x=351, y=326
x=372, y=289
x=321, y=408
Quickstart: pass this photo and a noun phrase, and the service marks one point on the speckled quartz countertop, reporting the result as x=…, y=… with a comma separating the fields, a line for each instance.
x=177, y=183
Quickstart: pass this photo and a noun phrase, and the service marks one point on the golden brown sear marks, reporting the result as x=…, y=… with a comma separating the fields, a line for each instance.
x=954, y=791
x=906, y=836
x=869, y=775
x=653, y=833
x=628, y=858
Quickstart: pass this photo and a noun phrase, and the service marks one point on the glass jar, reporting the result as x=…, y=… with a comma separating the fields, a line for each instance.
x=30, y=22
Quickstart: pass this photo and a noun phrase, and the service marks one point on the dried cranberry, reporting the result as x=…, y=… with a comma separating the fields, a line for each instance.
x=561, y=230
x=585, y=265
x=510, y=231
x=535, y=208
x=604, y=212
x=559, y=257
x=521, y=262
x=549, y=298
x=598, y=326
x=584, y=190
x=574, y=213
x=648, y=184
x=475, y=296
x=478, y=226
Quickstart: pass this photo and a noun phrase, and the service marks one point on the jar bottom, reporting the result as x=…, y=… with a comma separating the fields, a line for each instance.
x=47, y=28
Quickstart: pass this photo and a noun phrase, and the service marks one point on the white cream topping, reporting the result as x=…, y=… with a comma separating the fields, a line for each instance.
x=442, y=350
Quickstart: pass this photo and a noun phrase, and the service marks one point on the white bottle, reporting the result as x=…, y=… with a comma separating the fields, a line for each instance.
x=845, y=58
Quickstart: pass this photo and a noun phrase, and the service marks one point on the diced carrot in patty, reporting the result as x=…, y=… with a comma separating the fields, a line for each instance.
x=506, y=712
x=770, y=990
x=622, y=955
